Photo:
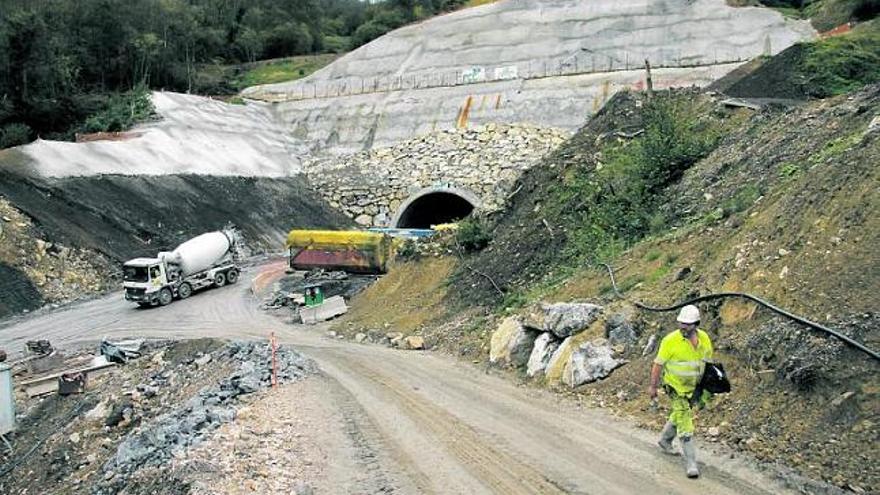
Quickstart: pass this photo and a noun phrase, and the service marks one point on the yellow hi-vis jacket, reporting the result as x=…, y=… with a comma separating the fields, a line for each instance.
x=682, y=363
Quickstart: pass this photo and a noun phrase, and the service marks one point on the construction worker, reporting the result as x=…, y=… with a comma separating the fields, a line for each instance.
x=680, y=360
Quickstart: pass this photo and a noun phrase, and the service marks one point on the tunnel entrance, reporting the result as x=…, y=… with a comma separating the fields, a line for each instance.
x=433, y=208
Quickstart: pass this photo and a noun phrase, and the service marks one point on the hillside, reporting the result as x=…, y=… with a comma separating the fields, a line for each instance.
x=780, y=202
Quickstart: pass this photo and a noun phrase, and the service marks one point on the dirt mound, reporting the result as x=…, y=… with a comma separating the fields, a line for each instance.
x=777, y=77
x=123, y=217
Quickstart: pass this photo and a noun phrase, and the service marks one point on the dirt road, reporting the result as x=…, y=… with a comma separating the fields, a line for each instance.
x=418, y=422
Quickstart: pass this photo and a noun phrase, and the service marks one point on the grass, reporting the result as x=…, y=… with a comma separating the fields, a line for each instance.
x=289, y=69
x=842, y=64
x=835, y=147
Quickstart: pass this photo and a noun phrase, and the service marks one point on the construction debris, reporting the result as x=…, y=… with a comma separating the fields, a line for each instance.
x=330, y=308
x=121, y=351
x=121, y=429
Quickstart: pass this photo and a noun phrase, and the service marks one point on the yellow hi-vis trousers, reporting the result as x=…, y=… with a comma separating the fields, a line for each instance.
x=682, y=416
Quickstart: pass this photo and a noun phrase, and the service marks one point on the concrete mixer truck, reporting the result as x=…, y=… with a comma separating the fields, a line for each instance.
x=204, y=261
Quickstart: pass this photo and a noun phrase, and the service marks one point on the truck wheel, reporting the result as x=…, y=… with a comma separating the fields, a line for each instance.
x=185, y=290
x=220, y=279
x=165, y=297
x=232, y=276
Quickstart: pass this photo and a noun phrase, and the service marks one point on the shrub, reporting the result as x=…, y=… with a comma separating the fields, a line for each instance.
x=842, y=64
x=407, y=251
x=121, y=112
x=14, y=134
x=672, y=143
x=472, y=234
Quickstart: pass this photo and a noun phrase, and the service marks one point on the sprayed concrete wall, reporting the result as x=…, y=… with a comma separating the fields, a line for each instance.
x=194, y=135
x=550, y=63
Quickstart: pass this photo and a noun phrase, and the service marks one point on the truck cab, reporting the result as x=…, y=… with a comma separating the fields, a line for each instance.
x=144, y=279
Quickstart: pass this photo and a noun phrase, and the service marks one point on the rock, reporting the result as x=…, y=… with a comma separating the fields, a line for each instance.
x=360, y=338
x=203, y=360
x=364, y=220
x=620, y=331
x=562, y=353
x=97, y=413
x=74, y=437
x=545, y=345
x=784, y=272
x=683, y=274
x=511, y=343
x=563, y=319
x=714, y=432
x=118, y=413
x=158, y=358
x=303, y=489
x=842, y=398
x=591, y=361
x=413, y=342
x=874, y=126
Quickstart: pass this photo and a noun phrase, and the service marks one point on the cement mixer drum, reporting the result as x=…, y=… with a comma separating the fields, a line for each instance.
x=202, y=252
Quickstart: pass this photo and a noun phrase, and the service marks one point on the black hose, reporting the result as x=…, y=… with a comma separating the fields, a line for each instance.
x=750, y=297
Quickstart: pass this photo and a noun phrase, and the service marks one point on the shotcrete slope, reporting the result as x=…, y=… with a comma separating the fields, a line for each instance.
x=549, y=63
x=195, y=135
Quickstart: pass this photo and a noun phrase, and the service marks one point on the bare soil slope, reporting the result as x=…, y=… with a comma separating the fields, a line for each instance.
x=785, y=207
x=116, y=217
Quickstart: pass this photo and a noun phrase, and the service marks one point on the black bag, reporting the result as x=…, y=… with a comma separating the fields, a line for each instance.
x=714, y=379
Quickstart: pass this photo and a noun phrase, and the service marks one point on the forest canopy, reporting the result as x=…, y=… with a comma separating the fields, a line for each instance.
x=70, y=66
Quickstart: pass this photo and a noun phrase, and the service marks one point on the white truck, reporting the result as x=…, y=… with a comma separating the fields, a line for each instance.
x=204, y=261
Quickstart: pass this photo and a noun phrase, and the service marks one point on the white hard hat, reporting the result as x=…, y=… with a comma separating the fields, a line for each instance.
x=689, y=314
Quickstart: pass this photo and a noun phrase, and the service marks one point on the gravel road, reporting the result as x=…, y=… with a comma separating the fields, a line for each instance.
x=417, y=422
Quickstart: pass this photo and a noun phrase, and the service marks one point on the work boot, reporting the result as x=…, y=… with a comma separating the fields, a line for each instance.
x=690, y=457
x=666, y=438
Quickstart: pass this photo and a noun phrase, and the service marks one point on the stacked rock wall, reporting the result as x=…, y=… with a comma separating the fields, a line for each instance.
x=479, y=164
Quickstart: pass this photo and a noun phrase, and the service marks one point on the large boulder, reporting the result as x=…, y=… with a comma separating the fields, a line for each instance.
x=559, y=358
x=591, y=361
x=545, y=345
x=511, y=343
x=563, y=319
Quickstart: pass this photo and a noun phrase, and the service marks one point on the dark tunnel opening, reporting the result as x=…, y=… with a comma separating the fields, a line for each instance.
x=434, y=209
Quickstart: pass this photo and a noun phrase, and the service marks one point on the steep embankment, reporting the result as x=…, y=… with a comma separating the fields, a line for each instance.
x=780, y=202
x=70, y=232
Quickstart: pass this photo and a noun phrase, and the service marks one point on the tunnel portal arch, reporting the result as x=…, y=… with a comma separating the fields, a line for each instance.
x=433, y=206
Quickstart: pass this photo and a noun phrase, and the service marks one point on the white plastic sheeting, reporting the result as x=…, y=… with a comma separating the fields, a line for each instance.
x=196, y=135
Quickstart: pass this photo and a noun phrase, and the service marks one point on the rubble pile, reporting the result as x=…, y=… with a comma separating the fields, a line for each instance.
x=121, y=431
x=156, y=442
x=371, y=186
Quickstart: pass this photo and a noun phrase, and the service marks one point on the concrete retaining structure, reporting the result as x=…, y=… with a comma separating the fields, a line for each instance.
x=550, y=63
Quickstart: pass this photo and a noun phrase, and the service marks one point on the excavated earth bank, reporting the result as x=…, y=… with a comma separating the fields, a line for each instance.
x=122, y=217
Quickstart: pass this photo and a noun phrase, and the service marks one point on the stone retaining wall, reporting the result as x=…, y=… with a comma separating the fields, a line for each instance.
x=479, y=164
